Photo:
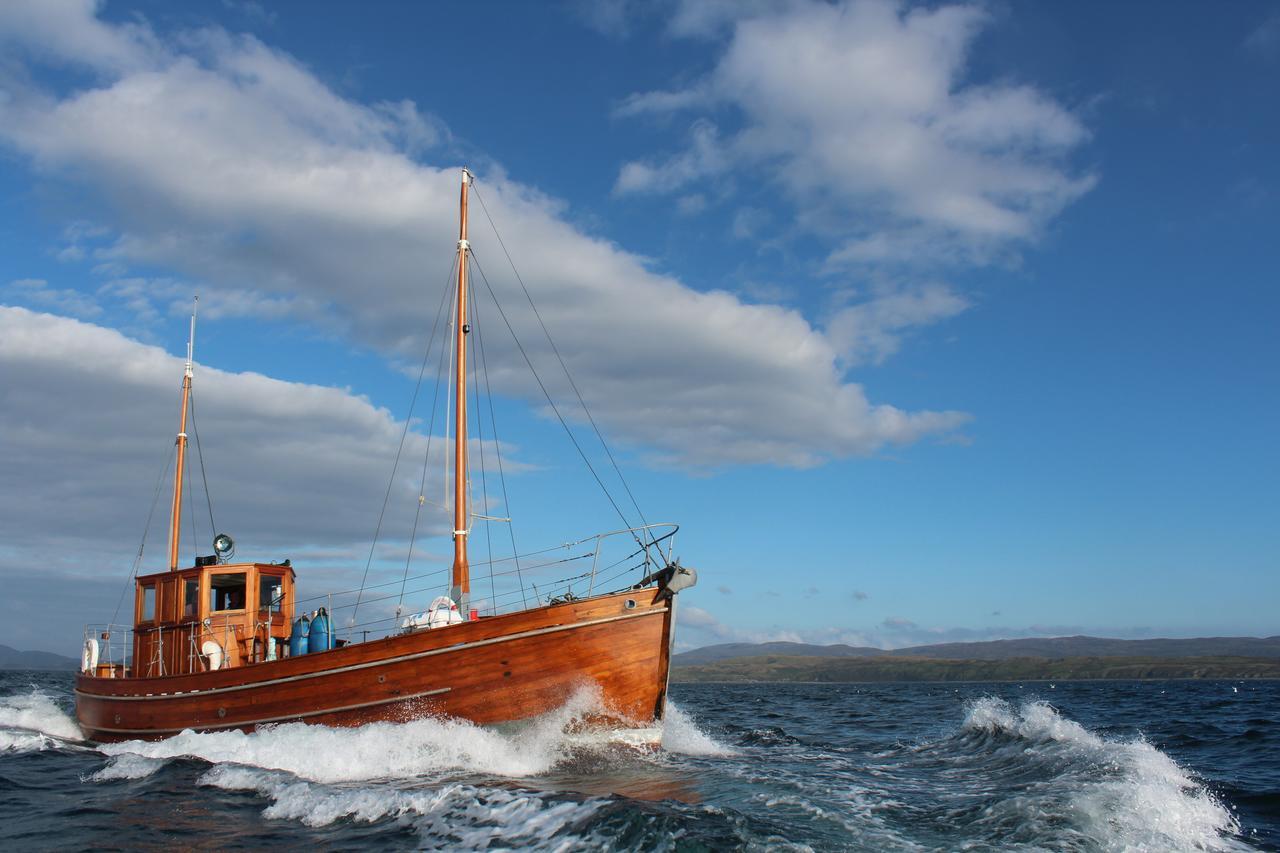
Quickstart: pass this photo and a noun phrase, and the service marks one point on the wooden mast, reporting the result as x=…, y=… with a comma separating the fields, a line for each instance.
x=461, y=587
x=175, y=514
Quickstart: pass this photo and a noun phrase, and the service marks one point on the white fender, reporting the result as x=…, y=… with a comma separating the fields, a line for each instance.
x=212, y=652
x=89, y=659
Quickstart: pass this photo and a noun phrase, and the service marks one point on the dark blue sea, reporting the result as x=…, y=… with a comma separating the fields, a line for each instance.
x=1158, y=766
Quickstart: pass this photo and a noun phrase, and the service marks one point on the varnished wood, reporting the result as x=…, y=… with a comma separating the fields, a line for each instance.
x=492, y=670
x=175, y=512
x=461, y=590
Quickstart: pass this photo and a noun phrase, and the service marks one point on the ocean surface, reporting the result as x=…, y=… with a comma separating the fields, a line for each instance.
x=1158, y=766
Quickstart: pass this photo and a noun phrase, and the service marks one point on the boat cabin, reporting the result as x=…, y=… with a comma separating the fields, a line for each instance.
x=211, y=617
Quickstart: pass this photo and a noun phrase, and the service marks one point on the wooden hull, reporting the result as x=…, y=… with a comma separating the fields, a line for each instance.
x=493, y=670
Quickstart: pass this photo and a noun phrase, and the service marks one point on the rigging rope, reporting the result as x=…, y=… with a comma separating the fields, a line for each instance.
x=191, y=511
x=142, y=544
x=547, y=395
x=560, y=358
x=208, y=498
x=395, y=466
x=431, y=431
x=497, y=448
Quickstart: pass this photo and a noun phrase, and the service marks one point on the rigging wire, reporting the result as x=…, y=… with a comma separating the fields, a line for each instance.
x=142, y=544
x=208, y=498
x=560, y=358
x=547, y=395
x=431, y=430
x=191, y=511
x=497, y=448
x=484, y=469
x=395, y=466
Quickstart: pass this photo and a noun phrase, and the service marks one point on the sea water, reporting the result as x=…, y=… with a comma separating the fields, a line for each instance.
x=1158, y=766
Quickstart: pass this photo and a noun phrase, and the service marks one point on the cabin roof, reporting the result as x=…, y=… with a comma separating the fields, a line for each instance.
x=189, y=571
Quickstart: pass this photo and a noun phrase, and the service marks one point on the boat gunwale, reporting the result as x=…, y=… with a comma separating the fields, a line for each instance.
x=87, y=680
x=285, y=718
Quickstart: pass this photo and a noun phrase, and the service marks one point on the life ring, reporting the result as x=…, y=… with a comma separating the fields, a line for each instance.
x=213, y=654
x=89, y=658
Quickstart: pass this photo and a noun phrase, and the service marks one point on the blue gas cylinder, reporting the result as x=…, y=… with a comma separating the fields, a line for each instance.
x=321, y=637
x=298, y=639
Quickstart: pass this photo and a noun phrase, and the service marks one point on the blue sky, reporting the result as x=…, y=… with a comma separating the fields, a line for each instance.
x=926, y=322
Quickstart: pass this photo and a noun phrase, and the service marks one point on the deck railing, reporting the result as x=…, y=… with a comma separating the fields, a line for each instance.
x=609, y=561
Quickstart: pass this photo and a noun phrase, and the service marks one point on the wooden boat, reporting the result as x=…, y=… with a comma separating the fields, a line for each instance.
x=208, y=648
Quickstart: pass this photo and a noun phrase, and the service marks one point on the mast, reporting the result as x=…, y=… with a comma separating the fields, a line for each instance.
x=461, y=587
x=175, y=514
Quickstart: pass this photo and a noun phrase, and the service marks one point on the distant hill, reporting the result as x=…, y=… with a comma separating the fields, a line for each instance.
x=11, y=658
x=775, y=668
x=1034, y=647
x=723, y=651
x=1063, y=647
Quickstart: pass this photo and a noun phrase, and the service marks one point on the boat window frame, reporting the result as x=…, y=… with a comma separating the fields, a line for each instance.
x=185, y=585
x=141, y=617
x=212, y=599
x=279, y=578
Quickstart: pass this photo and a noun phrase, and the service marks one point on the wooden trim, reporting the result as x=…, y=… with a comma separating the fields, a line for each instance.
x=384, y=662
x=265, y=720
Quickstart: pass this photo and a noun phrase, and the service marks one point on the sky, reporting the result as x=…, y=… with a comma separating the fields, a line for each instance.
x=926, y=322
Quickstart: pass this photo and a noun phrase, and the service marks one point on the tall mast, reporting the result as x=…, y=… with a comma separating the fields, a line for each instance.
x=461, y=587
x=175, y=514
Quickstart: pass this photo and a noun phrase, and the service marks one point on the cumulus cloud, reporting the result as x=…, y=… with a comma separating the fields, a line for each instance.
x=872, y=330
x=862, y=110
x=87, y=418
x=224, y=161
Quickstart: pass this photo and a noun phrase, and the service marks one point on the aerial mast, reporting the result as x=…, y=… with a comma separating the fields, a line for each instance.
x=175, y=515
x=460, y=591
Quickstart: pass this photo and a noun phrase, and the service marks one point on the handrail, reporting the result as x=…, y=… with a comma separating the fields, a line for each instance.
x=654, y=537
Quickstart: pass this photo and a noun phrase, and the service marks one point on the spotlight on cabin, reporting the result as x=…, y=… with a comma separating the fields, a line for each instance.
x=224, y=546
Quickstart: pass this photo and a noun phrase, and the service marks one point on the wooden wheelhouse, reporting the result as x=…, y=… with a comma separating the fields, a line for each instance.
x=245, y=608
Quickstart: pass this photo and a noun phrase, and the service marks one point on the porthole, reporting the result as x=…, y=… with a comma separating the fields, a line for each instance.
x=629, y=604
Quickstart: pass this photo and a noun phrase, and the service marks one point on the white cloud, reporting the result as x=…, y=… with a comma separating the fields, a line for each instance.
x=68, y=31
x=87, y=418
x=88, y=414
x=872, y=330
x=229, y=164
x=862, y=111
x=36, y=292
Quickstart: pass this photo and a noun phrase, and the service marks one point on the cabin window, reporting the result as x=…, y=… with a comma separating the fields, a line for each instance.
x=226, y=592
x=270, y=593
x=190, y=598
x=148, y=603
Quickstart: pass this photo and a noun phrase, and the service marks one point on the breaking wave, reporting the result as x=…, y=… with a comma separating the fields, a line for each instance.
x=1118, y=794
x=425, y=747
x=34, y=720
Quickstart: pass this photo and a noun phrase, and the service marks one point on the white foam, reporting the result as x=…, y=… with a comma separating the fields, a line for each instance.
x=37, y=712
x=387, y=750
x=681, y=734
x=18, y=741
x=1034, y=721
x=127, y=767
x=1126, y=794
x=466, y=816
